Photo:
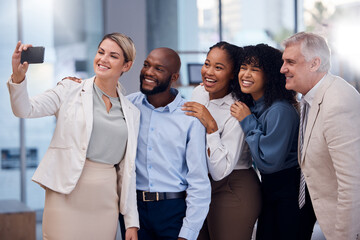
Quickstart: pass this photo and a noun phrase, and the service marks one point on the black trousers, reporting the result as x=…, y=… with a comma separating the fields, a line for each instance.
x=280, y=215
x=160, y=220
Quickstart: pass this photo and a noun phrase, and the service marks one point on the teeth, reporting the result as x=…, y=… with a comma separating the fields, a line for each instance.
x=103, y=67
x=210, y=80
x=247, y=82
x=149, y=81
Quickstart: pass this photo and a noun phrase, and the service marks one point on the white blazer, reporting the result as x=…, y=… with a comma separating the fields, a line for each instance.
x=331, y=158
x=61, y=167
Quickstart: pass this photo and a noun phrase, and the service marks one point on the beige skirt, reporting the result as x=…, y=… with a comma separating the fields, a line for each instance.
x=90, y=211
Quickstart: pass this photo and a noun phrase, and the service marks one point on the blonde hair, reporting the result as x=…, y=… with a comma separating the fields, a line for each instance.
x=312, y=45
x=125, y=43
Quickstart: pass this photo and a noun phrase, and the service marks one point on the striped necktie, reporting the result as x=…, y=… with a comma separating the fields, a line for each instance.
x=303, y=119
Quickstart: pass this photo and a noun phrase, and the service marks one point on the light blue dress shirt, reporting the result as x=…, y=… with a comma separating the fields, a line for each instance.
x=171, y=157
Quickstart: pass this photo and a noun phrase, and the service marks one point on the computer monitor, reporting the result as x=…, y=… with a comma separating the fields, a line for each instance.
x=80, y=65
x=194, y=73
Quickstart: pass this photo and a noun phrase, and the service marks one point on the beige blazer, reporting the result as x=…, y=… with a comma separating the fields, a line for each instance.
x=331, y=159
x=61, y=167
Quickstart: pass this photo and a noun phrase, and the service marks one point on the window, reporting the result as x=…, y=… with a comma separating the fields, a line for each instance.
x=70, y=31
x=191, y=27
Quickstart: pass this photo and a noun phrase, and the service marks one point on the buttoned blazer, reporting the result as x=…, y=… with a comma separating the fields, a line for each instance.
x=331, y=158
x=63, y=162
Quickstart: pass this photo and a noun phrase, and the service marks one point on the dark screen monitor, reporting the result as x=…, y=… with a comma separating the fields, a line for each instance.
x=80, y=65
x=194, y=73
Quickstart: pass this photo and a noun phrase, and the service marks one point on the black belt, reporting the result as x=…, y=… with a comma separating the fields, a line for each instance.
x=158, y=196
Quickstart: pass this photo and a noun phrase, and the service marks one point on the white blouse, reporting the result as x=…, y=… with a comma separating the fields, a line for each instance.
x=228, y=149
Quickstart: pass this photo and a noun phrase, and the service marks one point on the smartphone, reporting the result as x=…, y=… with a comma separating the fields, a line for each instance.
x=33, y=55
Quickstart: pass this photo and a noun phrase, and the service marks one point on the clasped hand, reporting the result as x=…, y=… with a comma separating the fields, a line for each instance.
x=202, y=113
x=239, y=110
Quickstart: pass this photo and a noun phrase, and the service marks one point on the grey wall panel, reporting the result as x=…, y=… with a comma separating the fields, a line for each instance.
x=128, y=17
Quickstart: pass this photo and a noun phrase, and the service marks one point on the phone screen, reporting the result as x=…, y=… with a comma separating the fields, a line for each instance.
x=33, y=55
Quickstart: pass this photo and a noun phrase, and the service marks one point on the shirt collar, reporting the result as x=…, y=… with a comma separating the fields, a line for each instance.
x=100, y=92
x=170, y=107
x=228, y=100
x=260, y=101
x=309, y=96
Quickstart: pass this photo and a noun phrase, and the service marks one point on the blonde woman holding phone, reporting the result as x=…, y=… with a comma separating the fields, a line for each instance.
x=88, y=171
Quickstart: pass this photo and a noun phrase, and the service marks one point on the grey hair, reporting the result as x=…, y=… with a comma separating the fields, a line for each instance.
x=312, y=45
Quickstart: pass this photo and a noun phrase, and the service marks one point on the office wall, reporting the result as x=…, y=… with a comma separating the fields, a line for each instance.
x=128, y=17
x=162, y=23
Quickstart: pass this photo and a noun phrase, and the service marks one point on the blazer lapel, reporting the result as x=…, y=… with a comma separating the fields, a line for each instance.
x=87, y=101
x=126, y=108
x=130, y=123
x=314, y=111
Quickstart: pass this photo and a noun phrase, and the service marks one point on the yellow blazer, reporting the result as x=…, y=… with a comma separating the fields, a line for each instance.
x=62, y=164
x=331, y=159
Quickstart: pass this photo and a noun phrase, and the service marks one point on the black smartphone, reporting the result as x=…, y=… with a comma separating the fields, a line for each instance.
x=33, y=55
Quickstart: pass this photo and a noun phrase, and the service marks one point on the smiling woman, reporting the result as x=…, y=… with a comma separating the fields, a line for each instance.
x=79, y=165
x=233, y=212
x=251, y=80
x=271, y=123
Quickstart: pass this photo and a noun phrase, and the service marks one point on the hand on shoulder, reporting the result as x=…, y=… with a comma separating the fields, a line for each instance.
x=75, y=79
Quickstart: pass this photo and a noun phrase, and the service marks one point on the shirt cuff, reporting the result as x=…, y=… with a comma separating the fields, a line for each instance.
x=13, y=86
x=131, y=220
x=188, y=233
x=213, y=139
x=10, y=81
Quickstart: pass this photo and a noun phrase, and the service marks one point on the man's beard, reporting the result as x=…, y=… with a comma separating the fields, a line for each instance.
x=158, y=89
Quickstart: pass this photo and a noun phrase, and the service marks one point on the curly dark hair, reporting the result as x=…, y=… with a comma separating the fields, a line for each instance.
x=268, y=59
x=235, y=55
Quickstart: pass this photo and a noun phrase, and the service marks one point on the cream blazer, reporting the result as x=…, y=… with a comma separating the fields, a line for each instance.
x=331, y=159
x=61, y=167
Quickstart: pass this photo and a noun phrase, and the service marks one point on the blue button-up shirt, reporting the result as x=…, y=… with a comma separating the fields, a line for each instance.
x=171, y=157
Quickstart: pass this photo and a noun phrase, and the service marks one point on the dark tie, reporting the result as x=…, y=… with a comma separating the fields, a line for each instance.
x=303, y=119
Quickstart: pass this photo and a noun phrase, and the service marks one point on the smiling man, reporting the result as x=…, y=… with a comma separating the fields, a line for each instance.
x=330, y=156
x=173, y=188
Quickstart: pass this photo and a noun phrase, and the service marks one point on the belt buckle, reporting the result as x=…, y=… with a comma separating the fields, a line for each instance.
x=144, y=197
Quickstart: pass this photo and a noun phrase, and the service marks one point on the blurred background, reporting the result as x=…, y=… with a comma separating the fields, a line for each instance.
x=70, y=31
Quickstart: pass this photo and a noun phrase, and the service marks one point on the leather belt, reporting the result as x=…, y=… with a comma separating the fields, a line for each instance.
x=158, y=196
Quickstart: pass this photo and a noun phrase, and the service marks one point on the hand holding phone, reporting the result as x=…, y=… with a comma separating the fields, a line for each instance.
x=33, y=55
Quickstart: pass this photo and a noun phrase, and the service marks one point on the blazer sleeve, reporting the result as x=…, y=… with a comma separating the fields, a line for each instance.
x=126, y=172
x=342, y=133
x=44, y=104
